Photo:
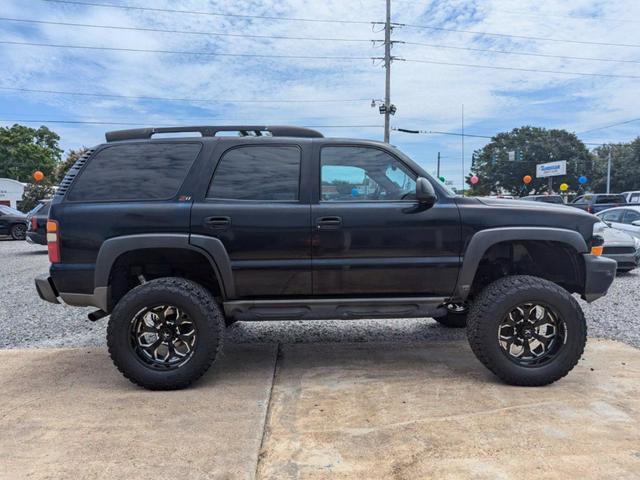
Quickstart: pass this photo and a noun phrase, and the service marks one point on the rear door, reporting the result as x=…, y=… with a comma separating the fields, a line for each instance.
x=257, y=207
x=371, y=236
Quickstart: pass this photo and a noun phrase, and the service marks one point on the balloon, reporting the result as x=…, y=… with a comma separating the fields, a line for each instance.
x=583, y=180
x=38, y=176
x=442, y=179
x=564, y=187
x=474, y=180
x=527, y=179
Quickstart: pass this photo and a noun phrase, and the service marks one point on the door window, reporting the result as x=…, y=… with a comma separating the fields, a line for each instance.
x=267, y=173
x=613, y=216
x=350, y=174
x=630, y=216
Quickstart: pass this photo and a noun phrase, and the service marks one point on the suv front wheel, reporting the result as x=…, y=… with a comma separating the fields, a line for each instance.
x=527, y=330
x=165, y=334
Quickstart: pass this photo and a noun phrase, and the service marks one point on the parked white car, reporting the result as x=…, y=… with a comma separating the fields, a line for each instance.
x=626, y=219
x=632, y=197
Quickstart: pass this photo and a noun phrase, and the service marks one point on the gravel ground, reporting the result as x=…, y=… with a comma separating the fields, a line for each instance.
x=28, y=322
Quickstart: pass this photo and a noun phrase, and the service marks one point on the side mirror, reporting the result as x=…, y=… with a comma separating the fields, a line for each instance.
x=636, y=223
x=425, y=193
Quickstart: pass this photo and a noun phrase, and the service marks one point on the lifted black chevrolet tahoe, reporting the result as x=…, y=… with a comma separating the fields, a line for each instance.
x=177, y=237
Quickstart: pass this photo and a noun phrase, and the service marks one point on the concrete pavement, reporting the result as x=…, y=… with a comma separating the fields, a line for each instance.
x=70, y=414
x=424, y=410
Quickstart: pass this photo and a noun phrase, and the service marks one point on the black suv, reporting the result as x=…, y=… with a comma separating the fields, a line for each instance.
x=176, y=237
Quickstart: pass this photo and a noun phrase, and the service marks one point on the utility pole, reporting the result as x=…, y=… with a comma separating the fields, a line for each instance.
x=387, y=66
x=438, y=168
x=462, y=149
x=609, y=169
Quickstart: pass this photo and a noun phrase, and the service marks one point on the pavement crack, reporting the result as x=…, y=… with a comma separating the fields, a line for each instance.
x=267, y=415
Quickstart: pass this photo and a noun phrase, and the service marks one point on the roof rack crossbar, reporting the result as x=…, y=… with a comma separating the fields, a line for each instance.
x=211, y=131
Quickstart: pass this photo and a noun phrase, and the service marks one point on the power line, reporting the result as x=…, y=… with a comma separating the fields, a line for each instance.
x=525, y=37
x=609, y=126
x=186, y=32
x=518, y=69
x=173, y=99
x=91, y=122
x=179, y=52
x=214, y=14
x=511, y=52
x=436, y=132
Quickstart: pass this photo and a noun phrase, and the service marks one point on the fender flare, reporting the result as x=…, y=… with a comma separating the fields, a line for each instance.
x=211, y=248
x=481, y=241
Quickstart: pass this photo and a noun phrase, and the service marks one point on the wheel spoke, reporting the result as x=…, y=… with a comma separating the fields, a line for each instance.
x=528, y=334
x=163, y=337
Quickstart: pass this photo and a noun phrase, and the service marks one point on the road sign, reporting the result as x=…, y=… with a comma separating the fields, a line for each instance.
x=512, y=156
x=551, y=169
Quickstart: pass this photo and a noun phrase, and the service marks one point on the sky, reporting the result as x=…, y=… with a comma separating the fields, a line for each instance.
x=332, y=94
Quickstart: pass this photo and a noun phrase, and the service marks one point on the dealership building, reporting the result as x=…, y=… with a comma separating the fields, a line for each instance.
x=11, y=192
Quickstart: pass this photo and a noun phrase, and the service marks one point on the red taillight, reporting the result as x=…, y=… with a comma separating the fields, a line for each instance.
x=53, y=241
x=589, y=209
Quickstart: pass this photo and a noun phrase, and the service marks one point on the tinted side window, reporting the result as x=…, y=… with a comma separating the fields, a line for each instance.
x=610, y=199
x=634, y=198
x=257, y=173
x=613, y=216
x=630, y=216
x=363, y=174
x=150, y=171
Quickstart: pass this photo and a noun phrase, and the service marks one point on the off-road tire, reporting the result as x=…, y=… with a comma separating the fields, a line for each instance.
x=186, y=295
x=18, y=231
x=492, y=305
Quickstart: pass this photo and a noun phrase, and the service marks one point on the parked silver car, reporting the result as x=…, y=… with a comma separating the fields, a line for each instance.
x=621, y=247
x=626, y=219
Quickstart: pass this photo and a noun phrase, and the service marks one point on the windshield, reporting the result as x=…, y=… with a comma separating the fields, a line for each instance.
x=9, y=211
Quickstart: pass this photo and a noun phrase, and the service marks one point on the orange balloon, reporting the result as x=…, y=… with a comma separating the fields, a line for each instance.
x=527, y=179
x=38, y=176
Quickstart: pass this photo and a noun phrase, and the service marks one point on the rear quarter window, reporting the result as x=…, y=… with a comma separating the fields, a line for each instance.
x=610, y=199
x=149, y=171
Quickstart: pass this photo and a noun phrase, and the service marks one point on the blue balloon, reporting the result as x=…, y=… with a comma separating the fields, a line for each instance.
x=582, y=179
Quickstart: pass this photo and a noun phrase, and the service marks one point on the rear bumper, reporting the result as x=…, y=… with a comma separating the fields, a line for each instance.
x=599, y=274
x=46, y=290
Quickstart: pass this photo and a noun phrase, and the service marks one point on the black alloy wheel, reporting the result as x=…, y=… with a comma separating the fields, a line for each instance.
x=163, y=337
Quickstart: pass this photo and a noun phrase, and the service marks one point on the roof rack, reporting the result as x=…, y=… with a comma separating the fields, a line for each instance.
x=210, y=131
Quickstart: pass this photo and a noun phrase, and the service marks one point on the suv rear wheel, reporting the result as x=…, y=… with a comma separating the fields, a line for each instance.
x=165, y=334
x=527, y=330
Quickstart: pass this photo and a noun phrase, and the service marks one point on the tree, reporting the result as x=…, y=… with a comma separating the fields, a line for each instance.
x=23, y=150
x=64, y=166
x=33, y=193
x=625, y=167
x=531, y=145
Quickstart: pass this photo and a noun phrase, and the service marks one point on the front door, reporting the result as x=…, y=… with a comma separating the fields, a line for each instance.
x=371, y=236
x=255, y=206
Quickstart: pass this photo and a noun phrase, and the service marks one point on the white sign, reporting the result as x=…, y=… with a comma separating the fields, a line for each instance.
x=551, y=169
x=512, y=156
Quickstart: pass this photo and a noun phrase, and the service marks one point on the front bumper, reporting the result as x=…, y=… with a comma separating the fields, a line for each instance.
x=599, y=274
x=625, y=260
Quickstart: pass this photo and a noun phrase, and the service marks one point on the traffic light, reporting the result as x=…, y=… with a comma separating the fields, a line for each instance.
x=519, y=156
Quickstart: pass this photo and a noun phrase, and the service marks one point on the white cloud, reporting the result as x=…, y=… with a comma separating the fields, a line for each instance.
x=428, y=96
